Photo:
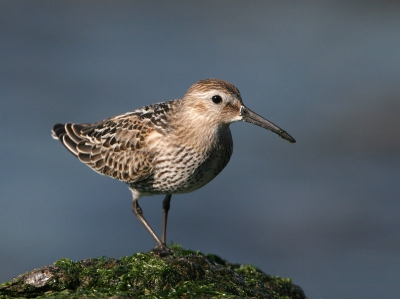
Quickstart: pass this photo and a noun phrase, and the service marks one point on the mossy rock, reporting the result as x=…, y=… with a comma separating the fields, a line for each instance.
x=183, y=274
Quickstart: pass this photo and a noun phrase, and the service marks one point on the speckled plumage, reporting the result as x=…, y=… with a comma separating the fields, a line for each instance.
x=166, y=148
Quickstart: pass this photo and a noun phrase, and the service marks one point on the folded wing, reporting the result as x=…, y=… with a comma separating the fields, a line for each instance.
x=115, y=147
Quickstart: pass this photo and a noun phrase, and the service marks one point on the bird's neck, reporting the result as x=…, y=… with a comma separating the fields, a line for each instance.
x=203, y=137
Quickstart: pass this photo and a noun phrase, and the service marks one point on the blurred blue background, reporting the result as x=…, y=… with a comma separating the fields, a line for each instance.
x=324, y=211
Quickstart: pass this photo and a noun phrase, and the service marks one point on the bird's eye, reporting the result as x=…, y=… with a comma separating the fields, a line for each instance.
x=216, y=99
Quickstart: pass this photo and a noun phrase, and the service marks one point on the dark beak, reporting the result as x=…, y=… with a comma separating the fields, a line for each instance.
x=253, y=118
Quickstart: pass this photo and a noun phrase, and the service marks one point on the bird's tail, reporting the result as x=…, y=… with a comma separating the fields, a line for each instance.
x=58, y=129
x=68, y=134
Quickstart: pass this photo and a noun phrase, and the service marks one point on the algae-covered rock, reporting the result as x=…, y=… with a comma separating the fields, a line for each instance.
x=183, y=274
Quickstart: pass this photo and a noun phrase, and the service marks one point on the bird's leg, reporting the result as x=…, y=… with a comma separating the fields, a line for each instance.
x=137, y=210
x=165, y=206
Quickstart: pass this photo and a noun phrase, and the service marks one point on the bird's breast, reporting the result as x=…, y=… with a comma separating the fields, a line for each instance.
x=180, y=167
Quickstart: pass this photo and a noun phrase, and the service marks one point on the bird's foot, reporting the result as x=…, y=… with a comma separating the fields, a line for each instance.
x=162, y=250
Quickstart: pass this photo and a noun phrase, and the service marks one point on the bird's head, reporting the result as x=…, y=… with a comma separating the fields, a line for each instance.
x=215, y=103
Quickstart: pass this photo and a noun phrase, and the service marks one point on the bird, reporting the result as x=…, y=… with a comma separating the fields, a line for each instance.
x=167, y=148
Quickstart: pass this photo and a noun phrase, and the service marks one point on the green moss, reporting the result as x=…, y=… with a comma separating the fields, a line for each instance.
x=184, y=274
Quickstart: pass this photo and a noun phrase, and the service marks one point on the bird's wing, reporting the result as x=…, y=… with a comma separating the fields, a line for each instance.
x=116, y=147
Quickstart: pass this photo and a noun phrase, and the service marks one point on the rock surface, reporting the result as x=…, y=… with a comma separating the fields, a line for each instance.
x=184, y=274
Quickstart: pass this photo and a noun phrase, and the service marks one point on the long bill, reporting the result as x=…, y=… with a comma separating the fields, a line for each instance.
x=253, y=118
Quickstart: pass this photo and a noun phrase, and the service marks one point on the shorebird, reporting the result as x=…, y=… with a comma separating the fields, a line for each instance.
x=165, y=148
